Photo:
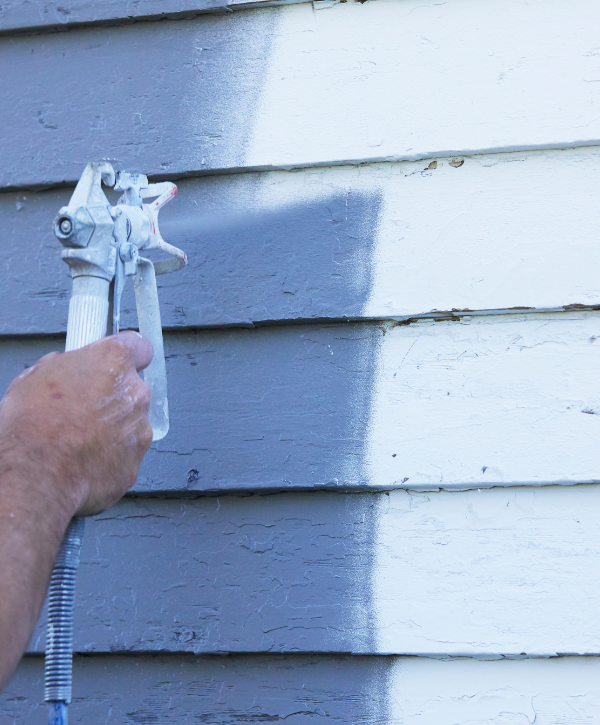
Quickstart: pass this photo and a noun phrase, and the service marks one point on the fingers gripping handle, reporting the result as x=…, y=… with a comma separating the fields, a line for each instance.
x=155, y=375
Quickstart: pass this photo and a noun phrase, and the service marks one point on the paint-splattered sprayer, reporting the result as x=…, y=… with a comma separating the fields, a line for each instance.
x=101, y=246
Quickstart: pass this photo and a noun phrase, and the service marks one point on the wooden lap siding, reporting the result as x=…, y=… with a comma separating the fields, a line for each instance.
x=377, y=500
x=300, y=85
x=299, y=689
x=500, y=231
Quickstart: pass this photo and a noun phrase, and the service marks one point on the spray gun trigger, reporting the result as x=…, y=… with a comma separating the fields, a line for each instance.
x=129, y=255
x=126, y=266
x=125, y=263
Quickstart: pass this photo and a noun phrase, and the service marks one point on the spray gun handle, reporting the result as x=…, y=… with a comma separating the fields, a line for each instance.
x=88, y=312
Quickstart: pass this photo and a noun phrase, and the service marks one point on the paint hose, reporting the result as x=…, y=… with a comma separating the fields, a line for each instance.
x=59, y=641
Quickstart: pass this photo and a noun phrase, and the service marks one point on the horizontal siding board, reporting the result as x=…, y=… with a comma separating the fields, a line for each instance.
x=245, y=410
x=392, y=240
x=483, y=401
x=118, y=690
x=220, y=93
x=435, y=692
x=147, y=95
x=227, y=574
x=255, y=254
x=486, y=401
x=489, y=401
x=335, y=572
x=497, y=571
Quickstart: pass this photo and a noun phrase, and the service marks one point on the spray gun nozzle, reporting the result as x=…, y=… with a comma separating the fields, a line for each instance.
x=65, y=225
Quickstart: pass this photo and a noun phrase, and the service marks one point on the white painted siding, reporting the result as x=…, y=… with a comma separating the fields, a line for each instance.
x=485, y=401
x=492, y=572
x=545, y=692
x=406, y=79
x=501, y=231
x=498, y=231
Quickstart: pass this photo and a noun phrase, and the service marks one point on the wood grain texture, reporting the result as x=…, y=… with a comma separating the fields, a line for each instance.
x=484, y=401
x=390, y=240
x=127, y=690
x=474, y=573
x=221, y=93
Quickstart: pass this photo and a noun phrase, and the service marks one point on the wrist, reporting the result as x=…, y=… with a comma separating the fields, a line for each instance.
x=29, y=478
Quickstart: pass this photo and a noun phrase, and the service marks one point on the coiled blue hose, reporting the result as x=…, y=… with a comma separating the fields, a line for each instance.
x=59, y=639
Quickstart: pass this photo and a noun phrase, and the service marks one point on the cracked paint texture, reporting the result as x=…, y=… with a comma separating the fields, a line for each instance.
x=243, y=574
x=487, y=573
x=477, y=401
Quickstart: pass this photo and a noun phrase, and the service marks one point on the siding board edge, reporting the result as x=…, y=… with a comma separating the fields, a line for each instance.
x=438, y=155
x=35, y=26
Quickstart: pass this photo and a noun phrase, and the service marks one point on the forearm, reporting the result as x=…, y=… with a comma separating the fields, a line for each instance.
x=34, y=514
x=73, y=430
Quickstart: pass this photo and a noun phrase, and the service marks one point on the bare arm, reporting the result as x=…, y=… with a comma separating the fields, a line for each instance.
x=73, y=431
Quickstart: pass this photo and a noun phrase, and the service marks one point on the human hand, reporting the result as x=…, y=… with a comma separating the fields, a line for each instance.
x=78, y=420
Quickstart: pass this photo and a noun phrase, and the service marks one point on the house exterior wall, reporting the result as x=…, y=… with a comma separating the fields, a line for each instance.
x=378, y=499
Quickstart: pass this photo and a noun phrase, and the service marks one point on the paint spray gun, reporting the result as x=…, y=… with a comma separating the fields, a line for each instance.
x=101, y=246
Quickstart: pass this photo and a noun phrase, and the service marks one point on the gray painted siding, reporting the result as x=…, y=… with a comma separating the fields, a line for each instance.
x=219, y=93
x=247, y=264
x=432, y=404
x=271, y=408
x=160, y=98
x=184, y=689
x=330, y=572
x=299, y=689
x=279, y=573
